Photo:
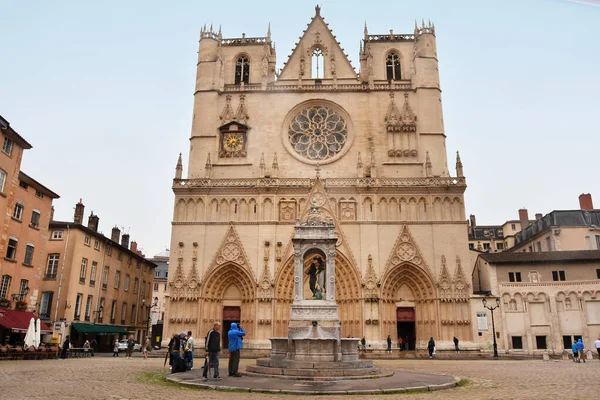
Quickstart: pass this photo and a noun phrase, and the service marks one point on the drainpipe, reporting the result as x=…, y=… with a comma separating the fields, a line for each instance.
x=62, y=270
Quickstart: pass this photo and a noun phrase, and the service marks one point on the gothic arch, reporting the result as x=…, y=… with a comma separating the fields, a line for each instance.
x=215, y=285
x=400, y=60
x=418, y=279
x=348, y=294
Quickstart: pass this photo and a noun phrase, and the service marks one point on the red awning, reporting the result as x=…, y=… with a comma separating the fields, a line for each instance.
x=18, y=321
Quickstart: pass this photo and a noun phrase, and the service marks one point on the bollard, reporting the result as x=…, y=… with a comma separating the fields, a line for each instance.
x=546, y=356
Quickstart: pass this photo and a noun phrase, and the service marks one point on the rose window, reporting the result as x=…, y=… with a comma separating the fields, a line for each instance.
x=317, y=133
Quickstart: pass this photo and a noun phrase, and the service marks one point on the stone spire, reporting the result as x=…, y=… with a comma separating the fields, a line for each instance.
x=220, y=35
x=262, y=165
x=359, y=166
x=178, y=168
x=275, y=166
x=317, y=11
x=366, y=31
x=459, y=166
x=269, y=33
x=427, y=165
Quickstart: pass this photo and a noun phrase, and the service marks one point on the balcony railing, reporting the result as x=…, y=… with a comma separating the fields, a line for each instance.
x=48, y=276
x=92, y=283
x=104, y=286
x=81, y=280
x=87, y=318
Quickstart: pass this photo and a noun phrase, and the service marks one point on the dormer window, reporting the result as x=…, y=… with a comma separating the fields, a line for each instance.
x=242, y=70
x=392, y=66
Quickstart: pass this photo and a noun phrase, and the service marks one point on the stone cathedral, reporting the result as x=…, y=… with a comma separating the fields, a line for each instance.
x=366, y=147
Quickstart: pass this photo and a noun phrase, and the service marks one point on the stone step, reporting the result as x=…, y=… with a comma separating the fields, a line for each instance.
x=328, y=377
x=303, y=373
x=284, y=363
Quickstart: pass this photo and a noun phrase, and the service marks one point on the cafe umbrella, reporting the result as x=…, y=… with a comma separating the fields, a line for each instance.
x=38, y=333
x=30, y=335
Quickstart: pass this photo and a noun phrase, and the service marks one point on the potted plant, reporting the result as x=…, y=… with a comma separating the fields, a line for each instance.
x=4, y=302
x=21, y=305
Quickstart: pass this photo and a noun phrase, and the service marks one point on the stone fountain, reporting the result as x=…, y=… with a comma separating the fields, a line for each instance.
x=314, y=349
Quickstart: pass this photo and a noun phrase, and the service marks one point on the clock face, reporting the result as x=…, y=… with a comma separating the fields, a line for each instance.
x=233, y=141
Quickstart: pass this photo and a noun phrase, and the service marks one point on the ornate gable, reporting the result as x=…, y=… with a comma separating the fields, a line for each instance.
x=445, y=281
x=370, y=282
x=231, y=250
x=406, y=250
x=182, y=288
x=227, y=113
x=318, y=35
x=461, y=285
x=178, y=284
x=265, y=284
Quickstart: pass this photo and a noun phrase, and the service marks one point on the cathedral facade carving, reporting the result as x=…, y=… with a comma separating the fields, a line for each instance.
x=367, y=148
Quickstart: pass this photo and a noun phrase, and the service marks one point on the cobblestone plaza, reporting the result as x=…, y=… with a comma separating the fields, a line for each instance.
x=112, y=378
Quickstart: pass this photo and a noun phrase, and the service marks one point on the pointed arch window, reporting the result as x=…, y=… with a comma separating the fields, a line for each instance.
x=392, y=66
x=242, y=70
x=317, y=67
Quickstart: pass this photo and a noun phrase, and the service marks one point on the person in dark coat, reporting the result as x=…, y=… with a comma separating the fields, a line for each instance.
x=431, y=347
x=455, y=344
x=312, y=280
x=65, y=347
x=212, y=347
x=389, y=344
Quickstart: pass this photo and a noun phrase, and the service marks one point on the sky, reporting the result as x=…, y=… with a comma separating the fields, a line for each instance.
x=103, y=90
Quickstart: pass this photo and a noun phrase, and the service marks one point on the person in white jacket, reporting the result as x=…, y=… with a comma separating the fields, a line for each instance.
x=597, y=344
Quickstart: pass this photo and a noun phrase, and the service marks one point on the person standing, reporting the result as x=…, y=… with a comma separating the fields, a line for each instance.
x=400, y=344
x=146, y=347
x=86, y=346
x=597, y=344
x=130, y=346
x=116, y=348
x=212, y=347
x=189, y=351
x=65, y=347
x=170, y=346
x=235, y=335
x=431, y=347
x=175, y=352
x=389, y=344
x=574, y=350
x=580, y=355
x=456, y=344
x=363, y=344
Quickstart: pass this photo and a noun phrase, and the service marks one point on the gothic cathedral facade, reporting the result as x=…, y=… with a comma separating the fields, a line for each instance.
x=367, y=147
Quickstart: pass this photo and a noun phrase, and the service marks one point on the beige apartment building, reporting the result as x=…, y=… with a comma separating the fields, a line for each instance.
x=367, y=147
x=100, y=286
x=159, y=295
x=26, y=212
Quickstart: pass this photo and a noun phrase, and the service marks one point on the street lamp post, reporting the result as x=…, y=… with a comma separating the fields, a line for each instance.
x=492, y=308
x=148, y=307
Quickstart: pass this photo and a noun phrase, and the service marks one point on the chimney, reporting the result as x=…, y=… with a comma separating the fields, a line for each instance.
x=125, y=240
x=538, y=216
x=115, y=234
x=524, y=218
x=52, y=213
x=585, y=201
x=473, y=220
x=133, y=247
x=93, y=222
x=79, y=208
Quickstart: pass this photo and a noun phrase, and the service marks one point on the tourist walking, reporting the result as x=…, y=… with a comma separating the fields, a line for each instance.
x=116, y=348
x=130, y=346
x=574, y=350
x=65, y=347
x=235, y=336
x=456, y=344
x=580, y=355
x=146, y=347
x=212, y=347
x=597, y=344
x=431, y=347
x=86, y=346
x=188, y=353
x=389, y=344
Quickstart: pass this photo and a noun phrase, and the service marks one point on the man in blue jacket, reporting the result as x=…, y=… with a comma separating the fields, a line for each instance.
x=580, y=351
x=235, y=335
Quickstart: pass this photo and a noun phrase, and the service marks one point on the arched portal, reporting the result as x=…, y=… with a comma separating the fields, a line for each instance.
x=228, y=294
x=347, y=295
x=408, y=297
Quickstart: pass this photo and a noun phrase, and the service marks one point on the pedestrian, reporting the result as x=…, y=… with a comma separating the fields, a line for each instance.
x=130, y=346
x=363, y=344
x=431, y=347
x=93, y=345
x=86, y=346
x=188, y=353
x=400, y=344
x=580, y=354
x=65, y=347
x=116, y=348
x=574, y=350
x=389, y=344
x=175, y=350
x=146, y=347
x=212, y=347
x=456, y=344
x=235, y=336
x=597, y=344
x=170, y=350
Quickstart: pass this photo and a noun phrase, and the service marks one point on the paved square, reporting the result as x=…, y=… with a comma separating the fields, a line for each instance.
x=119, y=378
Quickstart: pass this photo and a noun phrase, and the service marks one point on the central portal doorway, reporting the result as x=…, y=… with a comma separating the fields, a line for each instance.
x=405, y=321
x=230, y=315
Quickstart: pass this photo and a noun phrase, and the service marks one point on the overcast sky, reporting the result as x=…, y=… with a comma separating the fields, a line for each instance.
x=103, y=90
